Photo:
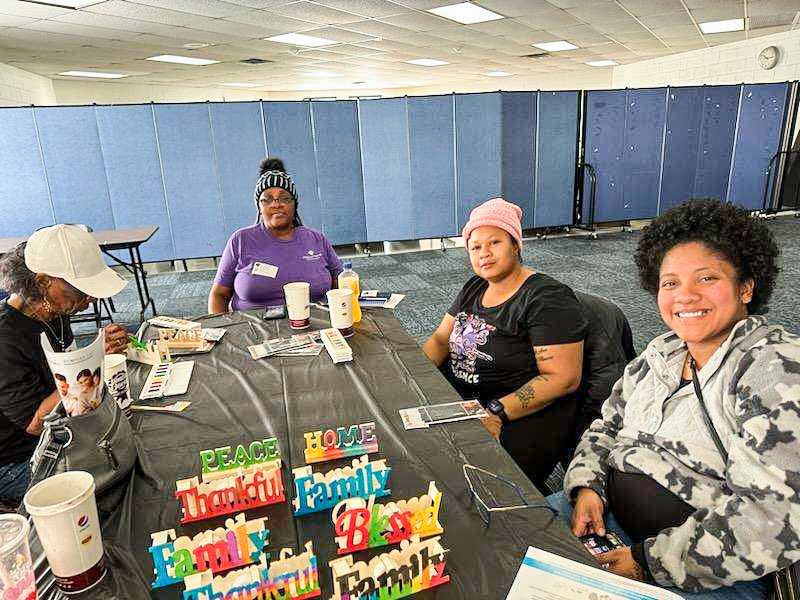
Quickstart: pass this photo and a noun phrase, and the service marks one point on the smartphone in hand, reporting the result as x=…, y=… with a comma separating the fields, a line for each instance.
x=598, y=544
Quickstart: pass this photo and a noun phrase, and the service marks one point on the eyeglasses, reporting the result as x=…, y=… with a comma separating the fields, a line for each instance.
x=281, y=201
x=484, y=510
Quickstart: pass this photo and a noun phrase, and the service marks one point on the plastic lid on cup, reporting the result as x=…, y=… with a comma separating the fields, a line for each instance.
x=13, y=529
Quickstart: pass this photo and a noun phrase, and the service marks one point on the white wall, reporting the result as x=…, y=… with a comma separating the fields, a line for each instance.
x=725, y=64
x=19, y=87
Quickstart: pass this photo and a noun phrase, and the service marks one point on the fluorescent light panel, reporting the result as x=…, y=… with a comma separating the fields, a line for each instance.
x=183, y=60
x=66, y=3
x=323, y=74
x=94, y=74
x=722, y=26
x=427, y=62
x=607, y=62
x=498, y=74
x=298, y=39
x=558, y=46
x=242, y=85
x=466, y=13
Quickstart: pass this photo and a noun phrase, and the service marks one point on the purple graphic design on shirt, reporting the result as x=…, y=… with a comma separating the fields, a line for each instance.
x=469, y=332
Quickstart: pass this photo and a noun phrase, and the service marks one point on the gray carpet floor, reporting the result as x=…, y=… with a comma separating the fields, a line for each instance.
x=431, y=279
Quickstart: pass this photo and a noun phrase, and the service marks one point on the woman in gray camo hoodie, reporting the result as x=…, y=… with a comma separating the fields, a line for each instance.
x=711, y=517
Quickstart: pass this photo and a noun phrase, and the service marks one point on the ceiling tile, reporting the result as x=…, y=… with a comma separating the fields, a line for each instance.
x=376, y=29
x=338, y=34
x=271, y=20
x=144, y=13
x=316, y=13
x=365, y=8
x=29, y=9
x=206, y=8
x=419, y=22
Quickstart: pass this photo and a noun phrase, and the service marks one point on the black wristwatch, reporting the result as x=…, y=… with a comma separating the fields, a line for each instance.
x=496, y=408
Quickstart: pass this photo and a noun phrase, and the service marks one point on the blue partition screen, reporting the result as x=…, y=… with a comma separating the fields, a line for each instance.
x=238, y=134
x=24, y=197
x=761, y=120
x=624, y=141
x=74, y=165
x=431, y=147
x=519, y=151
x=701, y=124
x=478, y=150
x=387, y=190
x=190, y=179
x=133, y=170
x=556, y=158
x=341, y=188
x=289, y=136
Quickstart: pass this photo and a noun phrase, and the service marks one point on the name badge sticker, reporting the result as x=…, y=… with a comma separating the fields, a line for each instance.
x=265, y=270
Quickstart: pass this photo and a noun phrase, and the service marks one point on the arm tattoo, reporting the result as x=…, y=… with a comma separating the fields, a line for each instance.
x=526, y=394
x=541, y=354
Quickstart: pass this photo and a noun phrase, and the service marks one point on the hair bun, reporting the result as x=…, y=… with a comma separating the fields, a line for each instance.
x=271, y=163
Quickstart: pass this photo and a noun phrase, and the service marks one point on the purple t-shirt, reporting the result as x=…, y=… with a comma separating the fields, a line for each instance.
x=308, y=256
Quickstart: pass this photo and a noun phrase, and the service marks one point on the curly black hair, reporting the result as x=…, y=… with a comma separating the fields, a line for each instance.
x=744, y=241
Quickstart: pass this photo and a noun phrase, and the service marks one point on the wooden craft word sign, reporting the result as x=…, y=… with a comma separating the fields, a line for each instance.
x=239, y=543
x=232, y=491
x=359, y=524
x=288, y=578
x=315, y=492
x=330, y=444
x=224, y=458
x=416, y=566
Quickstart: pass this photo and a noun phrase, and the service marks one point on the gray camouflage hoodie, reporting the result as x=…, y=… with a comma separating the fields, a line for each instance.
x=747, y=512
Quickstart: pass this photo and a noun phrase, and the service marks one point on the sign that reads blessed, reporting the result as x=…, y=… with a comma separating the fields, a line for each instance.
x=359, y=524
x=341, y=442
x=315, y=492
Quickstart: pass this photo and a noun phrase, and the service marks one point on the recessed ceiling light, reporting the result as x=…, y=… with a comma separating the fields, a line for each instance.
x=298, y=39
x=242, y=85
x=607, y=62
x=427, y=62
x=66, y=3
x=196, y=45
x=498, y=74
x=466, y=13
x=322, y=74
x=722, y=26
x=183, y=60
x=555, y=46
x=95, y=74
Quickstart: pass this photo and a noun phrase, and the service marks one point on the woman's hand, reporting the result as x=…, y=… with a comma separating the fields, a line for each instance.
x=588, y=514
x=493, y=424
x=621, y=562
x=116, y=338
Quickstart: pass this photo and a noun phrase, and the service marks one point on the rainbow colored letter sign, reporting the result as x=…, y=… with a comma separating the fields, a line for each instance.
x=329, y=444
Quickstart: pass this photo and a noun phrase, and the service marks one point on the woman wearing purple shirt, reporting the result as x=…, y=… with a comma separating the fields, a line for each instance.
x=278, y=249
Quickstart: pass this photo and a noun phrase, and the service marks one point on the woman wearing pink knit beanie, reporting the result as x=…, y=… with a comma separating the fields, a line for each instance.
x=513, y=339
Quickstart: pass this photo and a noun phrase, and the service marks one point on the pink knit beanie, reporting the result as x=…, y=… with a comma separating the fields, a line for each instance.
x=497, y=213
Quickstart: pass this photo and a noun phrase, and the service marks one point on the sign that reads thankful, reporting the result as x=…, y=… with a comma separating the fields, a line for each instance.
x=225, y=492
x=415, y=566
x=315, y=492
x=239, y=543
x=245, y=455
x=330, y=443
x=360, y=524
x=288, y=578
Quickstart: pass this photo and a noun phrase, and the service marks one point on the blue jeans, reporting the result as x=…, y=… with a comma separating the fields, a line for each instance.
x=746, y=590
x=14, y=479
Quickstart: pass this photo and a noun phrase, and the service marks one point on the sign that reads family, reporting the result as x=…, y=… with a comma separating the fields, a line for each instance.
x=415, y=566
x=239, y=543
x=225, y=492
x=315, y=492
x=330, y=444
x=289, y=578
x=245, y=455
x=360, y=524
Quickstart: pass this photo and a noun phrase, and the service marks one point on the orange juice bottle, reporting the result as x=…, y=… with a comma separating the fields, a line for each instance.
x=349, y=279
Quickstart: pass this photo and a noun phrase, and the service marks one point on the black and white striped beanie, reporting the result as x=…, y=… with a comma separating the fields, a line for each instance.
x=275, y=179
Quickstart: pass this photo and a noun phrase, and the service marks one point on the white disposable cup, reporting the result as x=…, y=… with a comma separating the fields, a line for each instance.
x=65, y=516
x=116, y=379
x=340, y=304
x=298, y=296
x=18, y=580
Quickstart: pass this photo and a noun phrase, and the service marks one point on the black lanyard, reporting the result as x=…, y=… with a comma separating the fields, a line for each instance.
x=706, y=417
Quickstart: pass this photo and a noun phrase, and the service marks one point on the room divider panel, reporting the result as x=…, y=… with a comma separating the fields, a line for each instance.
x=519, y=110
x=556, y=157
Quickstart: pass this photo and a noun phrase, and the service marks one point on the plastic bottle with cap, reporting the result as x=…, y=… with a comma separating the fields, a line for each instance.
x=349, y=279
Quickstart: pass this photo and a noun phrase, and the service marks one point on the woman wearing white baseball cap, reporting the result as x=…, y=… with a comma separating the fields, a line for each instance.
x=55, y=274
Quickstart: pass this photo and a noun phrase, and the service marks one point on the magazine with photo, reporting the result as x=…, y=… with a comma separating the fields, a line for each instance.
x=78, y=374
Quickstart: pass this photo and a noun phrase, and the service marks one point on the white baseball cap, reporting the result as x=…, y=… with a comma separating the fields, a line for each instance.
x=72, y=254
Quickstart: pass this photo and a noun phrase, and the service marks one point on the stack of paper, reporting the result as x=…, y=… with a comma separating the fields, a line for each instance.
x=374, y=298
x=304, y=344
x=336, y=345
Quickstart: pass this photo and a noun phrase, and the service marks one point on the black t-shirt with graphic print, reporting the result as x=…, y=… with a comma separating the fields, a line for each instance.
x=491, y=349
